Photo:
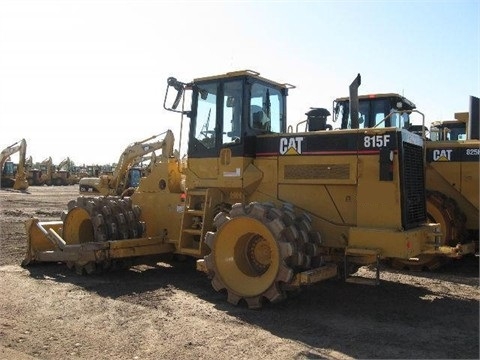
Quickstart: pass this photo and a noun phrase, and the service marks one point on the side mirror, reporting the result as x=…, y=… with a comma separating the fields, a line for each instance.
x=203, y=94
x=179, y=87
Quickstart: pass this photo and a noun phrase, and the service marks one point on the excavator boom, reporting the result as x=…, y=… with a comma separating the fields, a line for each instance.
x=138, y=149
x=64, y=163
x=9, y=150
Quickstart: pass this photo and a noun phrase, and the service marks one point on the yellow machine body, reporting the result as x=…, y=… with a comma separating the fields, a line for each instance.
x=456, y=179
x=452, y=154
x=452, y=174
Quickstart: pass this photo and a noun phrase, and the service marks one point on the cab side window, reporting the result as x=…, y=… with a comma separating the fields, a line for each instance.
x=266, y=109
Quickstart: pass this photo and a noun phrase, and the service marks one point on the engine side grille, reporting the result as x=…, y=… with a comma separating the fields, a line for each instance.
x=414, y=210
x=330, y=171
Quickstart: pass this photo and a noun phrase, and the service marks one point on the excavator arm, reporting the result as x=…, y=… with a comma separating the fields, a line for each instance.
x=64, y=163
x=21, y=182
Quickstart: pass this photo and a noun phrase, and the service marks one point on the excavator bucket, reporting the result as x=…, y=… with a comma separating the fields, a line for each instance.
x=21, y=183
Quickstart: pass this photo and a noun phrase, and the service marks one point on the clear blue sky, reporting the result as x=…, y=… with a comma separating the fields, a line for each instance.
x=84, y=79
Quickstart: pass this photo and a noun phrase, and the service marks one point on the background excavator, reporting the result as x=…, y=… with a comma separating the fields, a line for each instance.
x=452, y=164
x=39, y=176
x=264, y=210
x=63, y=174
x=79, y=172
x=14, y=176
x=49, y=174
x=126, y=176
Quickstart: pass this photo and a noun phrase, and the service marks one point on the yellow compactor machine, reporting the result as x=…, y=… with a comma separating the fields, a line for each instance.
x=451, y=164
x=263, y=209
x=453, y=170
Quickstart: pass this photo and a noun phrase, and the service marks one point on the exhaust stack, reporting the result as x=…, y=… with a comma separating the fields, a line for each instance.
x=474, y=121
x=354, y=104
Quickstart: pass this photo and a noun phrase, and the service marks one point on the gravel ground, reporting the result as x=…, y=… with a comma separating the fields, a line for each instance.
x=170, y=311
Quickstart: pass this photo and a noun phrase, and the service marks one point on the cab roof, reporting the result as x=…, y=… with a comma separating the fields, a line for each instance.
x=243, y=73
x=380, y=96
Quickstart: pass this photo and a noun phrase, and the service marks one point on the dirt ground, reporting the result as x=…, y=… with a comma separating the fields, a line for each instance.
x=170, y=311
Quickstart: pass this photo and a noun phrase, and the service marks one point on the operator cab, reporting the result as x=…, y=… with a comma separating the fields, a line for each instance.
x=229, y=111
x=9, y=168
x=374, y=111
x=134, y=176
x=448, y=130
x=8, y=173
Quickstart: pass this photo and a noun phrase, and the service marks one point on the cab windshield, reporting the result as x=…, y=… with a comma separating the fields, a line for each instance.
x=228, y=110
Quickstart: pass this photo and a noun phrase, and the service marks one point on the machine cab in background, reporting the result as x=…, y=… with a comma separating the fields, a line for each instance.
x=373, y=109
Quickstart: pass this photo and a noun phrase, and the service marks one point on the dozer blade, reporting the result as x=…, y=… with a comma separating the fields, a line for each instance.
x=46, y=245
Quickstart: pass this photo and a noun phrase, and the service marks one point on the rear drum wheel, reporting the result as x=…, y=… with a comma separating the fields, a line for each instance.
x=100, y=219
